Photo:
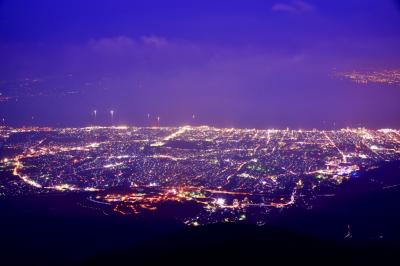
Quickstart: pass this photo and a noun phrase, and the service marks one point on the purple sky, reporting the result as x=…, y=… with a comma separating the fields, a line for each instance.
x=232, y=63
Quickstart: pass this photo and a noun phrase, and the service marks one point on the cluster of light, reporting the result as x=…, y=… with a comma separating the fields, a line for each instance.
x=365, y=77
x=225, y=171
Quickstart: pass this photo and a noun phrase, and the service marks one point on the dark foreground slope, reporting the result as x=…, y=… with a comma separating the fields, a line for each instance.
x=55, y=230
x=360, y=225
x=244, y=244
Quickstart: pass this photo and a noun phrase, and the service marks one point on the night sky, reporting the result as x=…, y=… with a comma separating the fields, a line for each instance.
x=231, y=63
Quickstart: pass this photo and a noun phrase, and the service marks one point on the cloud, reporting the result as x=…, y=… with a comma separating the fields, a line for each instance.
x=115, y=44
x=123, y=44
x=175, y=65
x=296, y=6
x=283, y=7
x=154, y=40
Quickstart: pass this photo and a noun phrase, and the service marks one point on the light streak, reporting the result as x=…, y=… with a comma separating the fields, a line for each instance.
x=344, y=160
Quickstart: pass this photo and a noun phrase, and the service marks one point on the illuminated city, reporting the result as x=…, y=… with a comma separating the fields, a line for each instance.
x=232, y=174
x=389, y=77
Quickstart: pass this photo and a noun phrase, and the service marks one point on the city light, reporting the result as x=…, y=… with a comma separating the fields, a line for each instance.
x=224, y=171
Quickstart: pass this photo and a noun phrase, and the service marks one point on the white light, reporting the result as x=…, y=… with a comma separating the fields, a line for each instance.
x=112, y=165
x=121, y=127
x=220, y=202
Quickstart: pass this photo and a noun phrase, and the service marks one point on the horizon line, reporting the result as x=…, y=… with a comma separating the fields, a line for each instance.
x=124, y=126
